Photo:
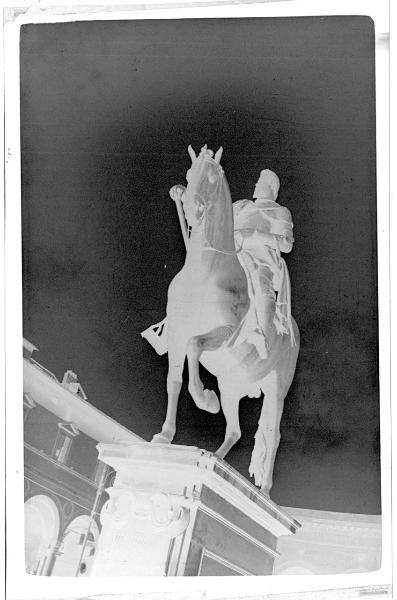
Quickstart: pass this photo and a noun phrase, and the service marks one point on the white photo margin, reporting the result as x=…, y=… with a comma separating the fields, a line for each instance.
x=20, y=585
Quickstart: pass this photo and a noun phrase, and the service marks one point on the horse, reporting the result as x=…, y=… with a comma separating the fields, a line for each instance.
x=208, y=303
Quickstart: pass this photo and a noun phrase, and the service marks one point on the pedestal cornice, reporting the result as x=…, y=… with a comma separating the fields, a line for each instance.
x=183, y=471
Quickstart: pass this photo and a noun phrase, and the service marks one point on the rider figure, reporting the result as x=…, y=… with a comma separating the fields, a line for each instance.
x=263, y=229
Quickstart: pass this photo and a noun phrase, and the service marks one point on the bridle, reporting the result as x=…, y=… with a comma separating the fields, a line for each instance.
x=204, y=203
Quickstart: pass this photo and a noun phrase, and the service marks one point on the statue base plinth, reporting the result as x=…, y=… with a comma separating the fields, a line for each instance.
x=178, y=510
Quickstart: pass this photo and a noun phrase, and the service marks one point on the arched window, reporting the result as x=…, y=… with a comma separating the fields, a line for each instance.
x=41, y=533
x=76, y=552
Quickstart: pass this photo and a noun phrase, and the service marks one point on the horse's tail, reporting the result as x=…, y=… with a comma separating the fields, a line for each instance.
x=275, y=387
x=258, y=459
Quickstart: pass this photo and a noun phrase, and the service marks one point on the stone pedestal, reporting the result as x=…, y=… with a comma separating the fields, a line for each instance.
x=178, y=510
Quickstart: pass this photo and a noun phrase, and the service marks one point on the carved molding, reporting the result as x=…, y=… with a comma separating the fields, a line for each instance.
x=165, y=512
x=222, y=561
x=188, y=468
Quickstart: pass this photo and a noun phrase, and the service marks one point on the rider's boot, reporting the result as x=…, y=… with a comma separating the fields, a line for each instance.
x=262, y=335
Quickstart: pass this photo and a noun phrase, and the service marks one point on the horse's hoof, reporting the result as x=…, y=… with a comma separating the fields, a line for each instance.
x=206, y=400
x=266, y=491
x=211, y=402
x=161, y=438
x=220, y=453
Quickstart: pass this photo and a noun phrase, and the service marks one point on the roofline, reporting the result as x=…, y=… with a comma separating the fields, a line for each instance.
x=47, y=391
x=356, y=519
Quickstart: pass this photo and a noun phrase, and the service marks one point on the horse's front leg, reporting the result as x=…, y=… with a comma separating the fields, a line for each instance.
x=176, y=360
x=204, y=399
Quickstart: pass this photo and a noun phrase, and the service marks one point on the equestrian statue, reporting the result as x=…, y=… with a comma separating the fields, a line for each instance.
x=229, y=307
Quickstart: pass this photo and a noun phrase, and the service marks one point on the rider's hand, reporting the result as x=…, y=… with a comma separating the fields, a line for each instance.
x=176, y=192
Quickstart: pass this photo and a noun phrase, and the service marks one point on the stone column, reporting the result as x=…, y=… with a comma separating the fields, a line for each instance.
x=178, y=510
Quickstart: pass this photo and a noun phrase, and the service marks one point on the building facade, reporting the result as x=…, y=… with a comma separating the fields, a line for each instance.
x=330, y=543
x=64, y=480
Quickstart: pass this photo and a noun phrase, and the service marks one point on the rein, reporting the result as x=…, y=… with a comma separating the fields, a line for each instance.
x=228, y=252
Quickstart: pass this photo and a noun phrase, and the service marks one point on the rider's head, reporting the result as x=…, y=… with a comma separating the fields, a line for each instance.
x=267, y=185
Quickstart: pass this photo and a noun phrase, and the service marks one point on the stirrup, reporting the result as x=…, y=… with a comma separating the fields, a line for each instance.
x=156, y=335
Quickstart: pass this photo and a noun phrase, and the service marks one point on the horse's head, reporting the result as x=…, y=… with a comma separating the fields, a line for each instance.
x=204, y=179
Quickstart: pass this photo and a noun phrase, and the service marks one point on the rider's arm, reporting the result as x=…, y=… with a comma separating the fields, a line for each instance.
x=283, y=231
x=283, y=242
x=275, y=232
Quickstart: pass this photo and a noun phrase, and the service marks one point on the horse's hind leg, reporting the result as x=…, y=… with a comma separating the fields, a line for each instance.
x=176, y=359
x=230, y=399
x=205, y=399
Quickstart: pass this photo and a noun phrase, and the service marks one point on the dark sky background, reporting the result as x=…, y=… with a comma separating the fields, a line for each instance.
x=107, y=112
